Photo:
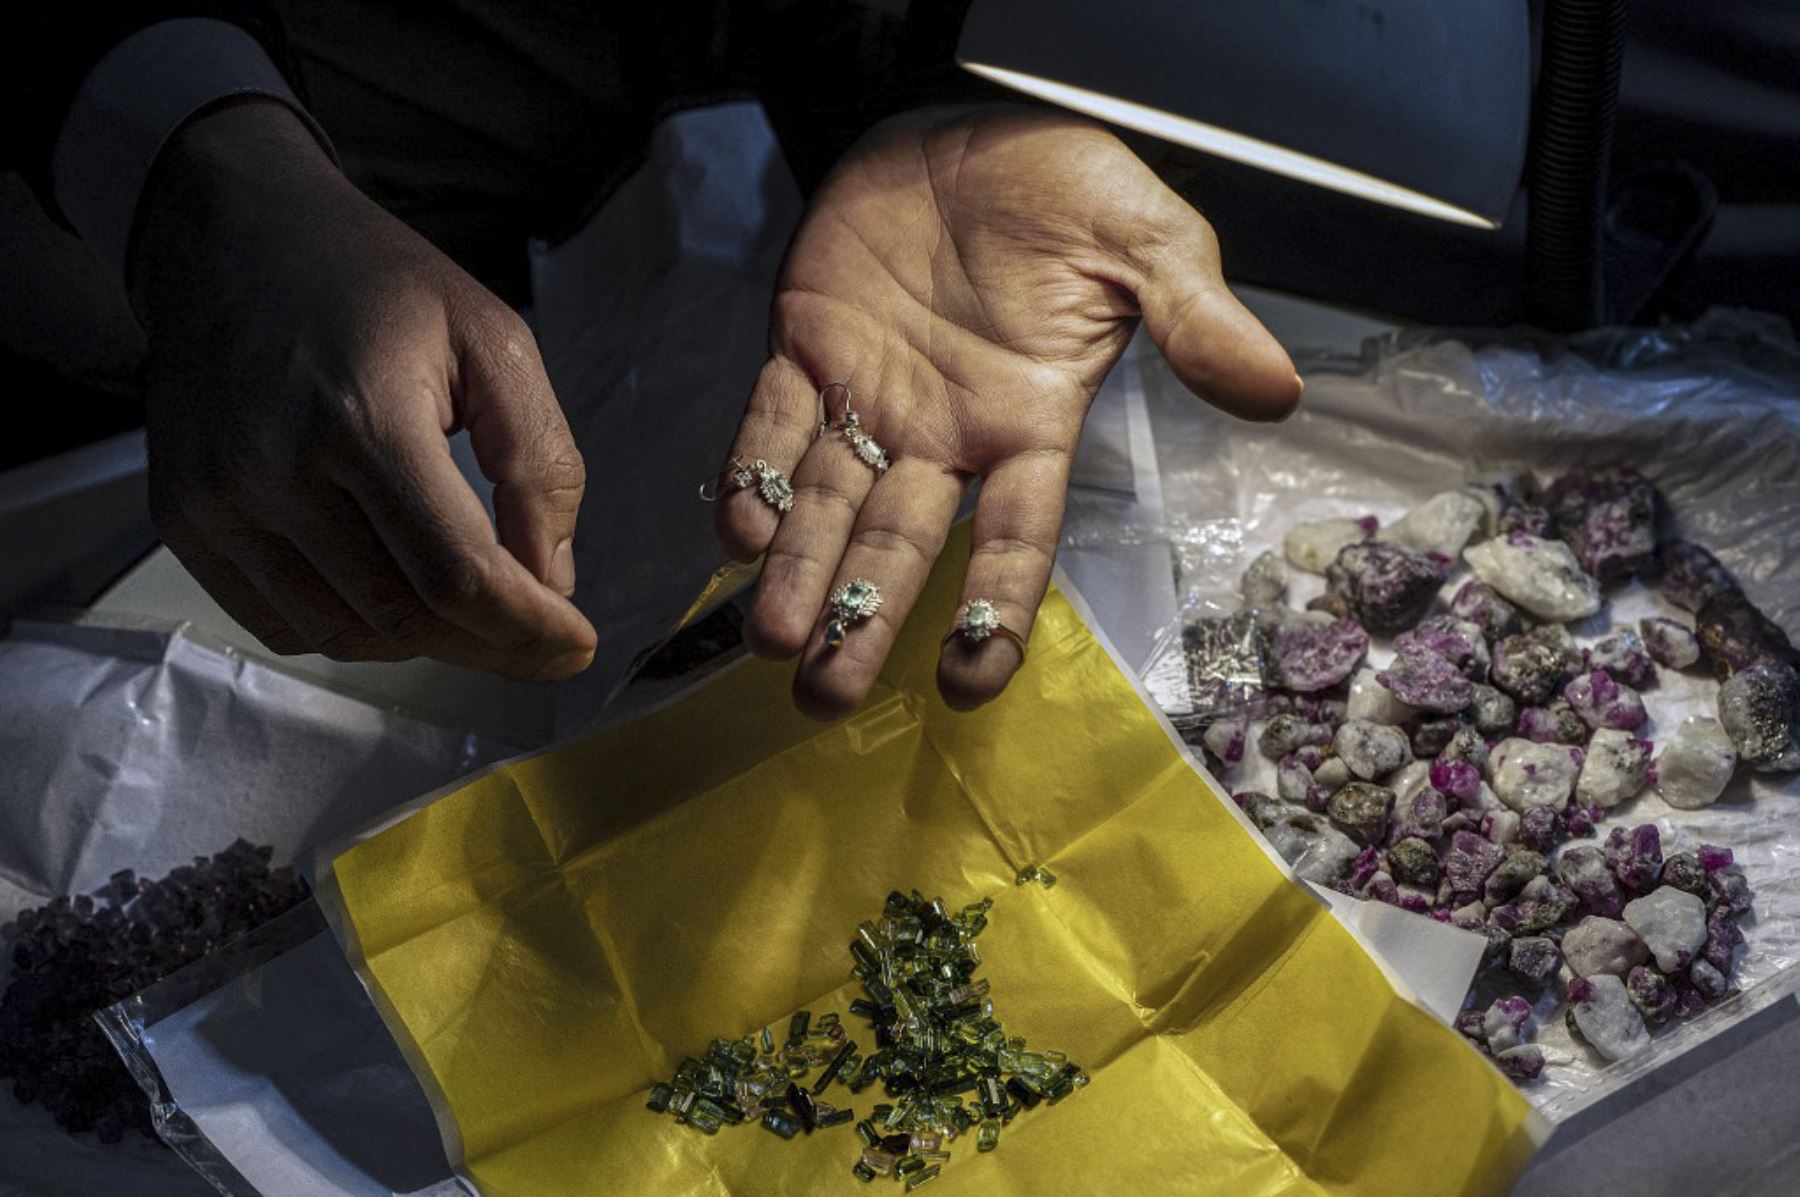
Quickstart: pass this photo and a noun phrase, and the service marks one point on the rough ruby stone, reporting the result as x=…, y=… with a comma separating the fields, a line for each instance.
x=1457, y=779
x=1542, y=828
x=1608, y=517
x=1635, y=856
x=1712, y=857
x=1386, y=587
x=1690, y=574
x=1309, y=657
x=1458, y=641
x=1469, y=862
x=1420, y=677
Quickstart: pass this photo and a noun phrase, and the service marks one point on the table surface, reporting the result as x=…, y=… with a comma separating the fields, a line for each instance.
x=1722, y=1119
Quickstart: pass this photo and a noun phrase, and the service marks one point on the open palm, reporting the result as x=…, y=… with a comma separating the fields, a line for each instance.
x=971, y=275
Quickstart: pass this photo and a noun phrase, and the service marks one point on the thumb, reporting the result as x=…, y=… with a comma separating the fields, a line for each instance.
x=1218, y=349
x=522, y=443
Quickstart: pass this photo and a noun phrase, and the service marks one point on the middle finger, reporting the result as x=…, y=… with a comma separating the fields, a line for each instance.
x=830, y=484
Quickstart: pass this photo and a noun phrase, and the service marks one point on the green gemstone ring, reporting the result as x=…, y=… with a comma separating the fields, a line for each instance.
x=978, y=620
x=856, y=599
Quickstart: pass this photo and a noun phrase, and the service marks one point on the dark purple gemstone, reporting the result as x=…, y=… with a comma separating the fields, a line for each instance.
x=1711, y=857
x=1456, y=779
x=1542, y=828
x=1690, y=574
x=1386, y=587
x=1635, y=857
x=1308, y=657
x=1421, y=678
x=1469, y=862
x=1482, y=606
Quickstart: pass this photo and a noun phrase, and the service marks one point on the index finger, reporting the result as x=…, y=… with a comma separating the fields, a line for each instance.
x=1018, y=519
x=439, y=534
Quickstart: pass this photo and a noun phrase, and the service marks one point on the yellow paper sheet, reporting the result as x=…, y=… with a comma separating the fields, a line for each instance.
x=550, y=939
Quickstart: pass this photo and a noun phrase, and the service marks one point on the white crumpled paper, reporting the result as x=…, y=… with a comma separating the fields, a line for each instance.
x=1710, y=412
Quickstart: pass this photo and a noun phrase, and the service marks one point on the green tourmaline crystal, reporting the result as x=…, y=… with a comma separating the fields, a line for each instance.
x=781, y=1122
x=944, y=1060
x=923, y=1176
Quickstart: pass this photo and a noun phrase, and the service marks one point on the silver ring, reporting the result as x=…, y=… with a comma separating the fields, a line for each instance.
x=856, y=599
x=978, y=620
x=867, y=449
x=772, y=486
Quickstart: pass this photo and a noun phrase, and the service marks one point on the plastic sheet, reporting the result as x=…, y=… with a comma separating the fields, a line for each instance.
x=1709, y=411
x=142, y=748
x=269, y=1073
x=131, y=747
x=549, y=939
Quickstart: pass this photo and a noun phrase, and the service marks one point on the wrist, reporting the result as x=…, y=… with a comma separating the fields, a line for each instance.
x=236, y=164
x=242, y=136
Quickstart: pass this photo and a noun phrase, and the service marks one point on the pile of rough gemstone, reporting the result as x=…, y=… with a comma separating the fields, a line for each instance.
x=936, y=1041
x=1447, y=782
x=74, y=957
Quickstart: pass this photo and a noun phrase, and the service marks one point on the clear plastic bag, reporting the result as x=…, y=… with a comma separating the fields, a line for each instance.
x=1709, y=411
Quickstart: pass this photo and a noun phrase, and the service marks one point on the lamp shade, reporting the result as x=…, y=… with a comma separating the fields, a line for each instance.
x=1419, y=104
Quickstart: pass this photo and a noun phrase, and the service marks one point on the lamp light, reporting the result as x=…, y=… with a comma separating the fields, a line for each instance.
x=1422, y=105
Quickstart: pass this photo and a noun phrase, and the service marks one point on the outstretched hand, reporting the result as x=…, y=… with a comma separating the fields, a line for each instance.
x=971, y=275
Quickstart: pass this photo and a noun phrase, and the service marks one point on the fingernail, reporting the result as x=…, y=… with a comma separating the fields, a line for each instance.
x=1289, y=413
x=562, y=569
x=567, y=665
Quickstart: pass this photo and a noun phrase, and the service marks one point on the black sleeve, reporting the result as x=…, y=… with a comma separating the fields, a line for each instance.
x=51, y=45
x=826, y=70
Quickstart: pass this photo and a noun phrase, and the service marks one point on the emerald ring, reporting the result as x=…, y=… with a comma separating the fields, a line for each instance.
x=856, y=599
x=979, y=620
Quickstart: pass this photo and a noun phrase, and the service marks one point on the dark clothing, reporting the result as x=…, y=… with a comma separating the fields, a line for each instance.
x=483, y=123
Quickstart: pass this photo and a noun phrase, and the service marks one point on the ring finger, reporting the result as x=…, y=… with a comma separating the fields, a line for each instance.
x=898, y=535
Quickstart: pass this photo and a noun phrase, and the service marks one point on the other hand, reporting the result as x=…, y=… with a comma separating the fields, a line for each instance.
x=309, y=356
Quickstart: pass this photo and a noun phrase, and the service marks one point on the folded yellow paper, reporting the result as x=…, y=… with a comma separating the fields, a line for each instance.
x=550, y=939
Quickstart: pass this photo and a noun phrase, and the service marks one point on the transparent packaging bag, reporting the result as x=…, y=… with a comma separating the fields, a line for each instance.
x=1710, y=411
